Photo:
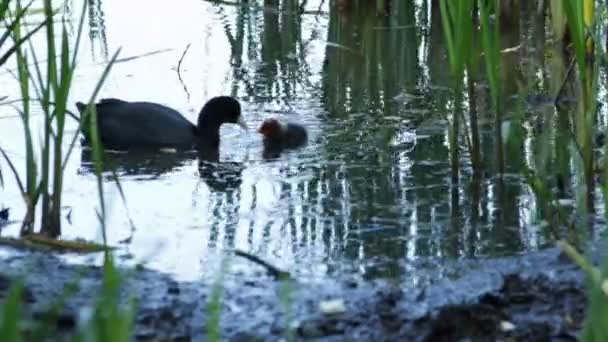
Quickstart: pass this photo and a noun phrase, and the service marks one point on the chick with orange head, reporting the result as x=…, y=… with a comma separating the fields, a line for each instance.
x=283, y=135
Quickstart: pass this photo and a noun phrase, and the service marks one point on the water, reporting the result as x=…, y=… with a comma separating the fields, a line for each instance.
x=370, y=195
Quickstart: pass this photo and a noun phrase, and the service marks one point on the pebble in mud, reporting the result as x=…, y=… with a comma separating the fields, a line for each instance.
x=246, y=337
x=173, y=288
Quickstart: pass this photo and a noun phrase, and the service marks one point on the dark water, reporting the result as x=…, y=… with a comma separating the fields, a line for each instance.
x=371, y=194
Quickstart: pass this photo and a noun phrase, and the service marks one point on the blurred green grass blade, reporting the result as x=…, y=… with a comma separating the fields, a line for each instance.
x=44, y=329
x=89, y=118
x=558, y=17
x=67, y=70
x=490, y=47
x=42, y=92
x=14, y=22
x=11, y=314
x=596, y=318
x=24, y=82
x=30, y=158
x=98, y=161
x=110, y=322
x=447, y=27
x=286, y=293
x=574, y=15
x=18, y=43
x=51, y=62
x=214, y=309
x=84, y=116
x=580, y=260
x=4, y=8
x=122, y=196
x=458, y=29
x=121, y=321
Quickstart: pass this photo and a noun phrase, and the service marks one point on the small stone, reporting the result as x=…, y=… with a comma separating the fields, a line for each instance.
x=506, y=326
x=4, y=214
x=243, y=336
x=332, y=307
x=605, y=287
x=351, y=283
x=173, y=289
x=310, y=329
x=66, y=321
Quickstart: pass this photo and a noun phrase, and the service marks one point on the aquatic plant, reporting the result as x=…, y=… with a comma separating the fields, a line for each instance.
x=583, y=33
x=109, y=320
x=43, y=183
x=596, y=319
x=12, y=21
x=458, y=29
x=490, y=38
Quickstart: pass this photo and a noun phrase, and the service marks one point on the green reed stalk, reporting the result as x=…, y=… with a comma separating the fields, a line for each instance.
x=595, y=327
x=490, y=42
x=458, y=30
x=13, y=30
x=582, y=32
x=30, y=161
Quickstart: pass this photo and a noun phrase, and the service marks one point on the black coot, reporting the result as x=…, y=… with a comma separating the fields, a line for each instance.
x=126, y=125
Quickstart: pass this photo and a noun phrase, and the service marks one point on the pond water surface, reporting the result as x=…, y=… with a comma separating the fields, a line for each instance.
x=371, y=192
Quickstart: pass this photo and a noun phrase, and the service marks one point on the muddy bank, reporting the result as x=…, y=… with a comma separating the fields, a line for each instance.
x=534, y=297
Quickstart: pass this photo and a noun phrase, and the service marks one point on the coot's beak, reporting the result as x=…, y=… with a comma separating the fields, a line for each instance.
x=241, y=122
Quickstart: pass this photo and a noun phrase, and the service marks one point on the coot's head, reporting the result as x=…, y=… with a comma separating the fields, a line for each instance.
x=271, y=128
x=220, y=110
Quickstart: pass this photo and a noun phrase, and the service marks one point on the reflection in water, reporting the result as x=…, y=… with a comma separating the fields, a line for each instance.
x=137, y=163
x=221, y=176
x=150, y=165
x=372, y=188
x=97, y=29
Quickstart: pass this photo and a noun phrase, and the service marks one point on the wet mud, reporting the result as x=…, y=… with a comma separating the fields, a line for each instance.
x=539, y=296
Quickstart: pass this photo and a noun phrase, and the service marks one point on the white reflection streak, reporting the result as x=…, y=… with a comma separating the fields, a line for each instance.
x=423, y=63
x=411, y=251
x=490, y=206
x=244, y=222
x=436, y=235
x=528, y=145
x=528, y=230
x=361, y=257
x=346, y=207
